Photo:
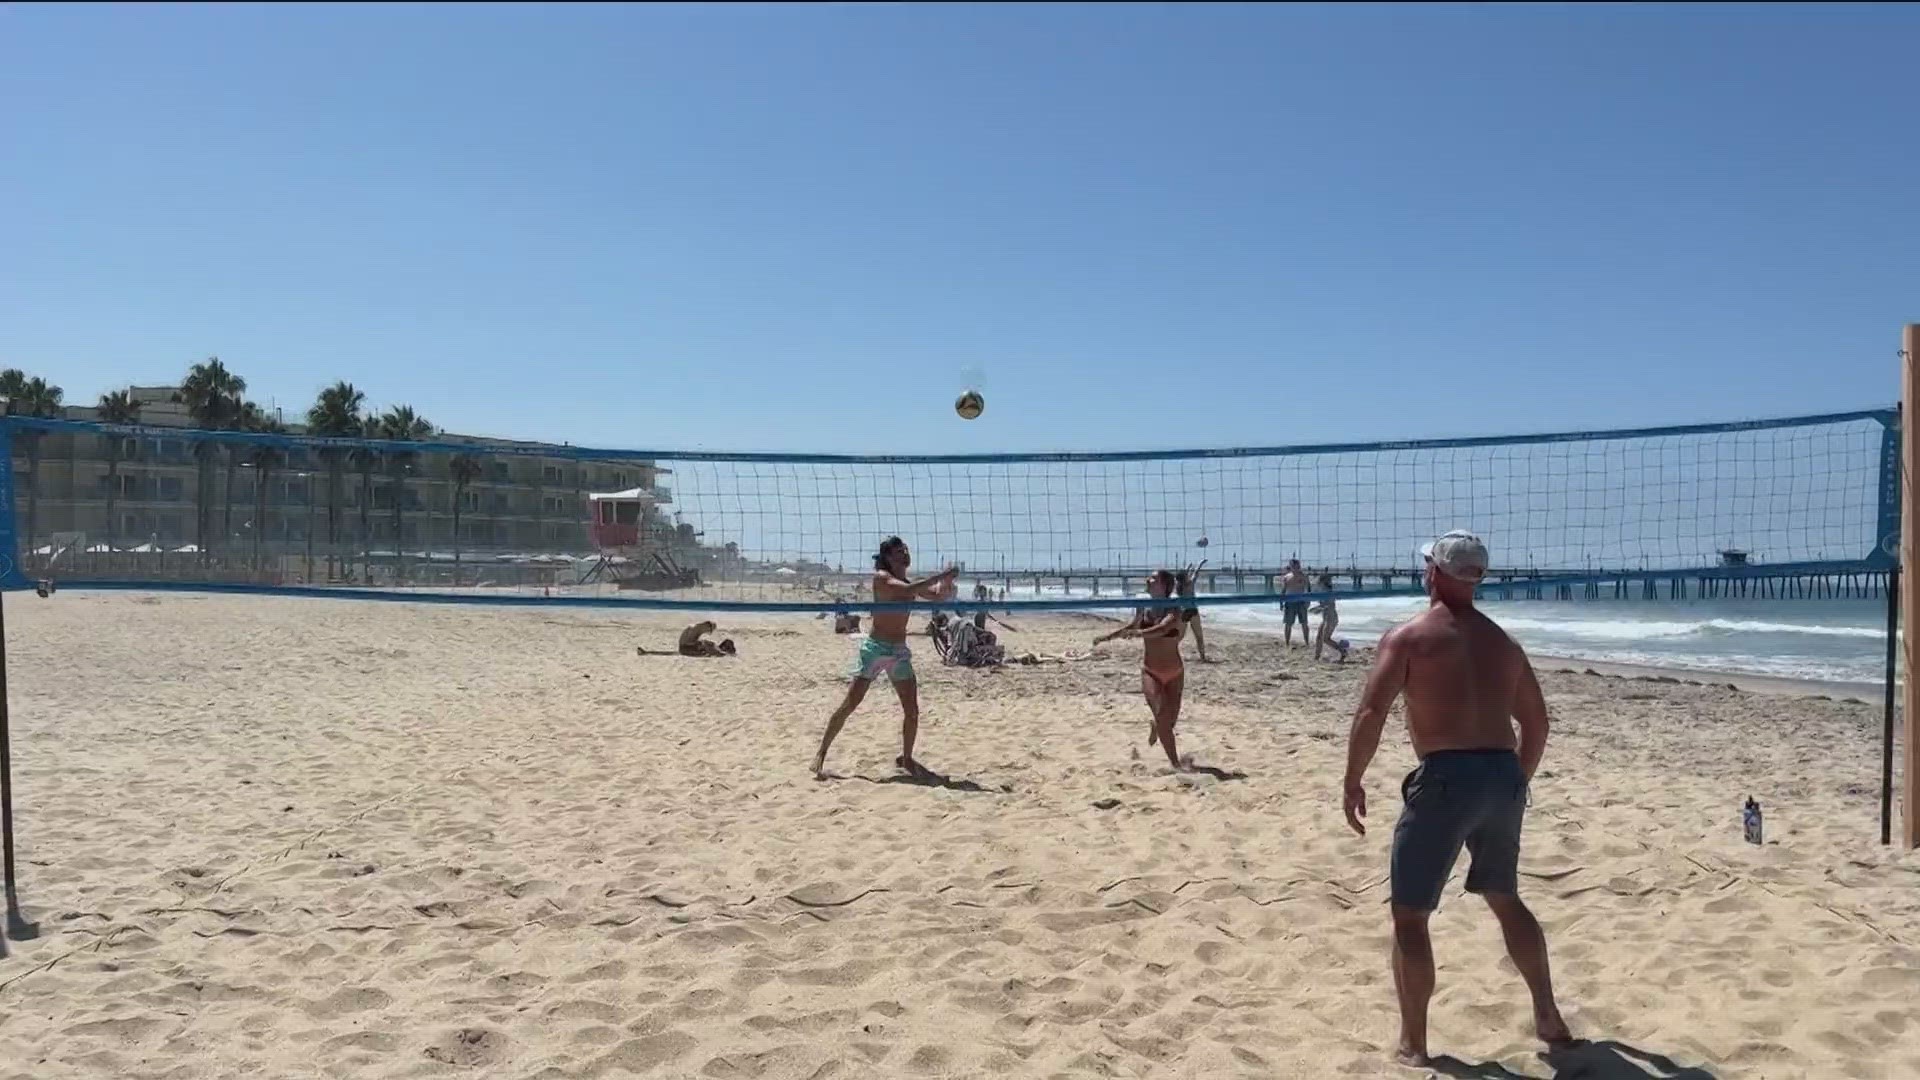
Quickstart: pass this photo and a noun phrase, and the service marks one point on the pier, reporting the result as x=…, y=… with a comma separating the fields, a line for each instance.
x=1714, y=583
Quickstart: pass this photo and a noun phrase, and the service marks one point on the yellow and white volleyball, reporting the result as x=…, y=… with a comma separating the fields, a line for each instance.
x=969, y=405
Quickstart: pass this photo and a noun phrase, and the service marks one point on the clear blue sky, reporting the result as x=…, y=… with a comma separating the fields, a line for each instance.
x=799, y=228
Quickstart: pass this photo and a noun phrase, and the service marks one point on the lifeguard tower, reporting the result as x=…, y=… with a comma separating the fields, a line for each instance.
x=635, y=547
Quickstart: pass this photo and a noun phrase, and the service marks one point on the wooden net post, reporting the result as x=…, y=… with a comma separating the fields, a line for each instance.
x=1909, y=583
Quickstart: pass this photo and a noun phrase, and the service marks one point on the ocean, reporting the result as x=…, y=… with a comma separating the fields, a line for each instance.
x=1840, y=641
x=1823, y=640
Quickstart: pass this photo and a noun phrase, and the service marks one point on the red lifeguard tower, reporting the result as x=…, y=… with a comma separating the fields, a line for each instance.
x=636, y=549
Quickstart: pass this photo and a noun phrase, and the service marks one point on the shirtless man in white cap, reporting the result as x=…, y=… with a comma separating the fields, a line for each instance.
x=1467, y=684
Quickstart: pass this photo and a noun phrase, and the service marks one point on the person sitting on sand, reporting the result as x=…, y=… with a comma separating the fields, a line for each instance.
x=1329, y=622
x=1163, y=673
x=974, y=645
x=693, y=643
x=884, y=652
x=1467, y=683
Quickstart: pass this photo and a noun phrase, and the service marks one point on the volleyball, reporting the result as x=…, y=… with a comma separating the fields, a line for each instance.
x=969, y=405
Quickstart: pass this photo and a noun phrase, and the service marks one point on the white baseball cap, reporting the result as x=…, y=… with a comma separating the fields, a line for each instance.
x=1458, y=554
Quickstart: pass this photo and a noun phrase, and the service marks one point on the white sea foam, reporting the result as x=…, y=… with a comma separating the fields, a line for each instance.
x=1836, y=641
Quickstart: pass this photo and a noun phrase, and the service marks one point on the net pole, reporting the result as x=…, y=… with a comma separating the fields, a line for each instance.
x=17, y=927
x=1886, y=724
x=1910, y=585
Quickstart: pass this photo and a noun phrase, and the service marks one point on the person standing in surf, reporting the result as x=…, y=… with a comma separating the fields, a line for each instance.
x=1292, y=583
x=1329, y=622
x=1185, y=581
x=884, y=652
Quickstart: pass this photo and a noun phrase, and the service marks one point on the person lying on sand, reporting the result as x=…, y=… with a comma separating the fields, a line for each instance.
x=1467, y=683
x=1033, y=659
x=693, y=643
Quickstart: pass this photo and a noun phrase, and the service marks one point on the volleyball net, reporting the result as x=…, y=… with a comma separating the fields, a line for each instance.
x=90, y=504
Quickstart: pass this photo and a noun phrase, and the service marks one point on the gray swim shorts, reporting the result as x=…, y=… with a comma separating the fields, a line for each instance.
x=1459, y=798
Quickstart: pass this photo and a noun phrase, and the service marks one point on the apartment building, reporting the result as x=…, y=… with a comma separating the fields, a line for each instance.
x=517, y=502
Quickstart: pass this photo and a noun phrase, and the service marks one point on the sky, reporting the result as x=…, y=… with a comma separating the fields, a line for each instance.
x=807, y=228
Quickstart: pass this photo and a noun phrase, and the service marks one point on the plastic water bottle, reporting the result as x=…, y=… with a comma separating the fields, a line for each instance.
x=1750, y=821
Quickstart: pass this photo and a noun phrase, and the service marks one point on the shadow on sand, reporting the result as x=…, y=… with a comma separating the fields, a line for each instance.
x=1216, y=773
x=1601, y=1059
x=18, y=928
x=926, y=778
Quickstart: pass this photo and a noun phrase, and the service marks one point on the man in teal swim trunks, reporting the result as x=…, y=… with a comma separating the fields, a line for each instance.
x=884, y=652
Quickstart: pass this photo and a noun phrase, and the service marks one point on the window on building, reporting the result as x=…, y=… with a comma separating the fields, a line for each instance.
x=123, y=485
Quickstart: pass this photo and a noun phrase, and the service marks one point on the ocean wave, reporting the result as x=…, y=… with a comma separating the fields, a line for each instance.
x=1624, y=630
x=1638, y=629
x=1749, y=626
x=1862, y=670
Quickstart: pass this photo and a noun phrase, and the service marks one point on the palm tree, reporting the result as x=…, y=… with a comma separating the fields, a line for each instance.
x=264, y=458
x=401, y=424
x=464, y=469
x=336, y=414
x=117, y=407
x=31, y=396
x=212, y=395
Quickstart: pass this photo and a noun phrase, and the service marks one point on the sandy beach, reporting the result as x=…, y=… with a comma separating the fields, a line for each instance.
x=288, y=838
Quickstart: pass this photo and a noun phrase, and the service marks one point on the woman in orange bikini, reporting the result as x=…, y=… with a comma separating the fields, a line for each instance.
x=1163, y=674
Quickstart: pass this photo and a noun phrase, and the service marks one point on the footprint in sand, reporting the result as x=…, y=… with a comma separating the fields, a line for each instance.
x=468, y=1048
